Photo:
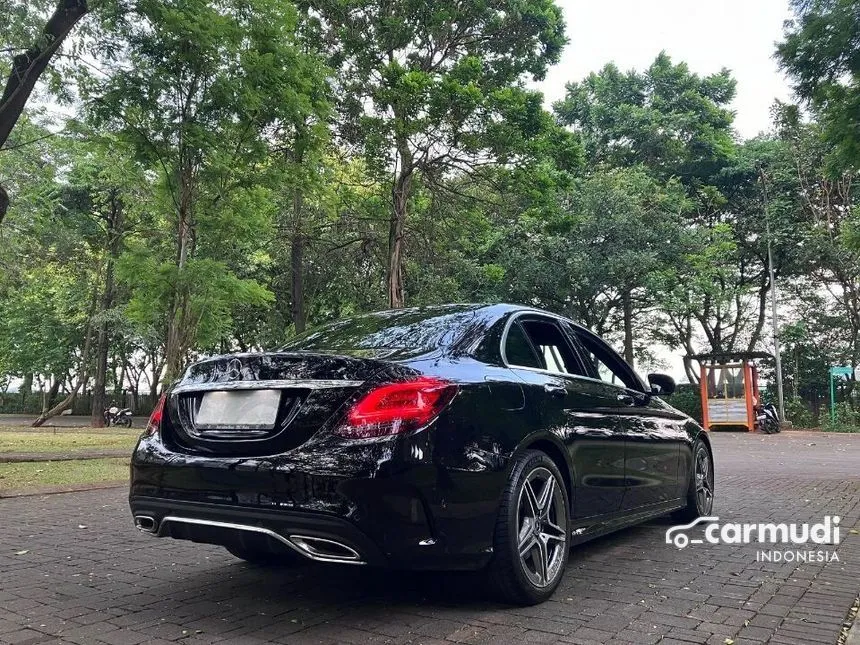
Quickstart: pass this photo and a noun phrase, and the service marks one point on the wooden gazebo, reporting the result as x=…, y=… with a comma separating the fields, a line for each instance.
x=729, y=388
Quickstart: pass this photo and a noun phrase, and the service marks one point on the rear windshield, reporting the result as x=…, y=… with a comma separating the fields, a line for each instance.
x=386, y=334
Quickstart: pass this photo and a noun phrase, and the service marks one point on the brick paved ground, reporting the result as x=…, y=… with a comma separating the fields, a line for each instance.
x=89, y=577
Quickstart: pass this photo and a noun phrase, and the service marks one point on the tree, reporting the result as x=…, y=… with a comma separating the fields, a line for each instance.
x=667, y=118
x=591, y=257
x=828, y=203
x=821, y=52
x=429, y=89
x=199, y=86
x=104, y=192
x=674, y=128
x=35, y=36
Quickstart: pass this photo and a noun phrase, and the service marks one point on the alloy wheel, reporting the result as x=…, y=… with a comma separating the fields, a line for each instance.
x=704, y=482
x=542, y=527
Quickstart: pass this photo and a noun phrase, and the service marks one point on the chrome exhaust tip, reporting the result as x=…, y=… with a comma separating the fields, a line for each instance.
x=325, y=550
x=146, y=524
x=313, y=548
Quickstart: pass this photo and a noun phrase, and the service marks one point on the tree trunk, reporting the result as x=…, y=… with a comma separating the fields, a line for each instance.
x=297, y=267
x=26, y=388
x=120, y=384
x=29, y=66
x=4, y=203
x=115, y=226
x=760, y=319
x=157, y=366
x=83, y=373
x=52, y=393
x=400, y=202
x=627, y=307
x=177, y=334
x=692, y=376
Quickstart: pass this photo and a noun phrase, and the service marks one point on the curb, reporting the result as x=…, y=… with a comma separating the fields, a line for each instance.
x=851, y=631
x=56, y=490
x=21, y=457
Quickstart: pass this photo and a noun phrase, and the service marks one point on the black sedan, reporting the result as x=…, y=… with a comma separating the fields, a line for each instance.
x=451, y=437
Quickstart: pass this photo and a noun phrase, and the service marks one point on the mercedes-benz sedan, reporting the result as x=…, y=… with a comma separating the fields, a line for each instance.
x=450, y=437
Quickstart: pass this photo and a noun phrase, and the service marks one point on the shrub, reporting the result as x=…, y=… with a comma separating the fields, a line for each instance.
x=847, y=419
x=798, y=412
x=687, y=399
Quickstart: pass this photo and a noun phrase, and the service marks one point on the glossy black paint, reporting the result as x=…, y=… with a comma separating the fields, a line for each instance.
x=428, y=499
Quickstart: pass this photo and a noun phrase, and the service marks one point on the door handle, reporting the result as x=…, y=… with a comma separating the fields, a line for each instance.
x=625, y=399
x=556, y=391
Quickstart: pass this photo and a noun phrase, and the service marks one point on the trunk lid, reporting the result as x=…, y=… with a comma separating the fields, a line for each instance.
x=261, y=404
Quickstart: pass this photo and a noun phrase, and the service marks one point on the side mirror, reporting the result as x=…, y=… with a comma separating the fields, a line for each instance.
x=661, y=383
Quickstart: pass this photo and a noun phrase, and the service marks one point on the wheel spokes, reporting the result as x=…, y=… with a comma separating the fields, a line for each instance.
x=704, y=486
x=533, y=509
x=542, y=560
x=546, y=497
x=552, y=531
x=526, y=537
x=542, y=526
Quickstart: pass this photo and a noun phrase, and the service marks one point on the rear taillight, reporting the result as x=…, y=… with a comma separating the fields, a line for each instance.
x=154, y=423
x=397, y=408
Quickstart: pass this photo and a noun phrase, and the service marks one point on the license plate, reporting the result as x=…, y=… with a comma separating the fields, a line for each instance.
x=244, y=409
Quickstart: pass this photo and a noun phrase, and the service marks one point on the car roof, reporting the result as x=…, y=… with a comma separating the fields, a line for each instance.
x=465, y=321
x=500, y=309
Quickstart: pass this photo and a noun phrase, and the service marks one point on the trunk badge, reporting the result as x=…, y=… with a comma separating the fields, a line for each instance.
x=234, y=369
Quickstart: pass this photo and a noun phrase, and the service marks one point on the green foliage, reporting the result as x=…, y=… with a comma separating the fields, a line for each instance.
x=205, y=89
x=409, y=72
x=821, y=53
x=431, y=90
x=214, y=294
x=847, y=419
x=667, y=118
x=797, y=411
x=23, y=27
x=273, y=166
x=688, y=400
x=43, y=321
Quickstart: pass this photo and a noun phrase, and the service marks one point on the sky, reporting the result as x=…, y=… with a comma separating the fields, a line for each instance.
x=706, y=34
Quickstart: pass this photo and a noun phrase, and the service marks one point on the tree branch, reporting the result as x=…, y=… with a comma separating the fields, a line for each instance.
x=29, y=66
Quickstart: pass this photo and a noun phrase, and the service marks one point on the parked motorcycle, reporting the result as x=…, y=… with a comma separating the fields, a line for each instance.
x=767, y=419
x=115, y=416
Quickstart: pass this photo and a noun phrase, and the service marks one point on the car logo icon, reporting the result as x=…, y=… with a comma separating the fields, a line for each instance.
x=234, y=369
x=675, y=534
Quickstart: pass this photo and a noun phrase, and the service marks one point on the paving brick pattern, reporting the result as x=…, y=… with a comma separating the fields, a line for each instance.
x=88, y=577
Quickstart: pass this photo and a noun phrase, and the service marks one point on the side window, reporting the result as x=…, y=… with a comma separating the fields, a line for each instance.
x=554, y=349
x=610, y=367
x=518, y=349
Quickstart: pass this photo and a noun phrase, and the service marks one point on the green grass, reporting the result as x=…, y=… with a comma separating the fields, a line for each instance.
x=27, y=475
x=65, y=442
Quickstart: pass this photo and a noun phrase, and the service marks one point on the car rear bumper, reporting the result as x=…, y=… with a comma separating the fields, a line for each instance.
x=314, y=535
x=357, y=508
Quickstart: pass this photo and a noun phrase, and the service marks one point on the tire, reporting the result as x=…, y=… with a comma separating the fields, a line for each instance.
x=700, y=491
x=536, y=519
x=264, y=558
x=767, y=425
